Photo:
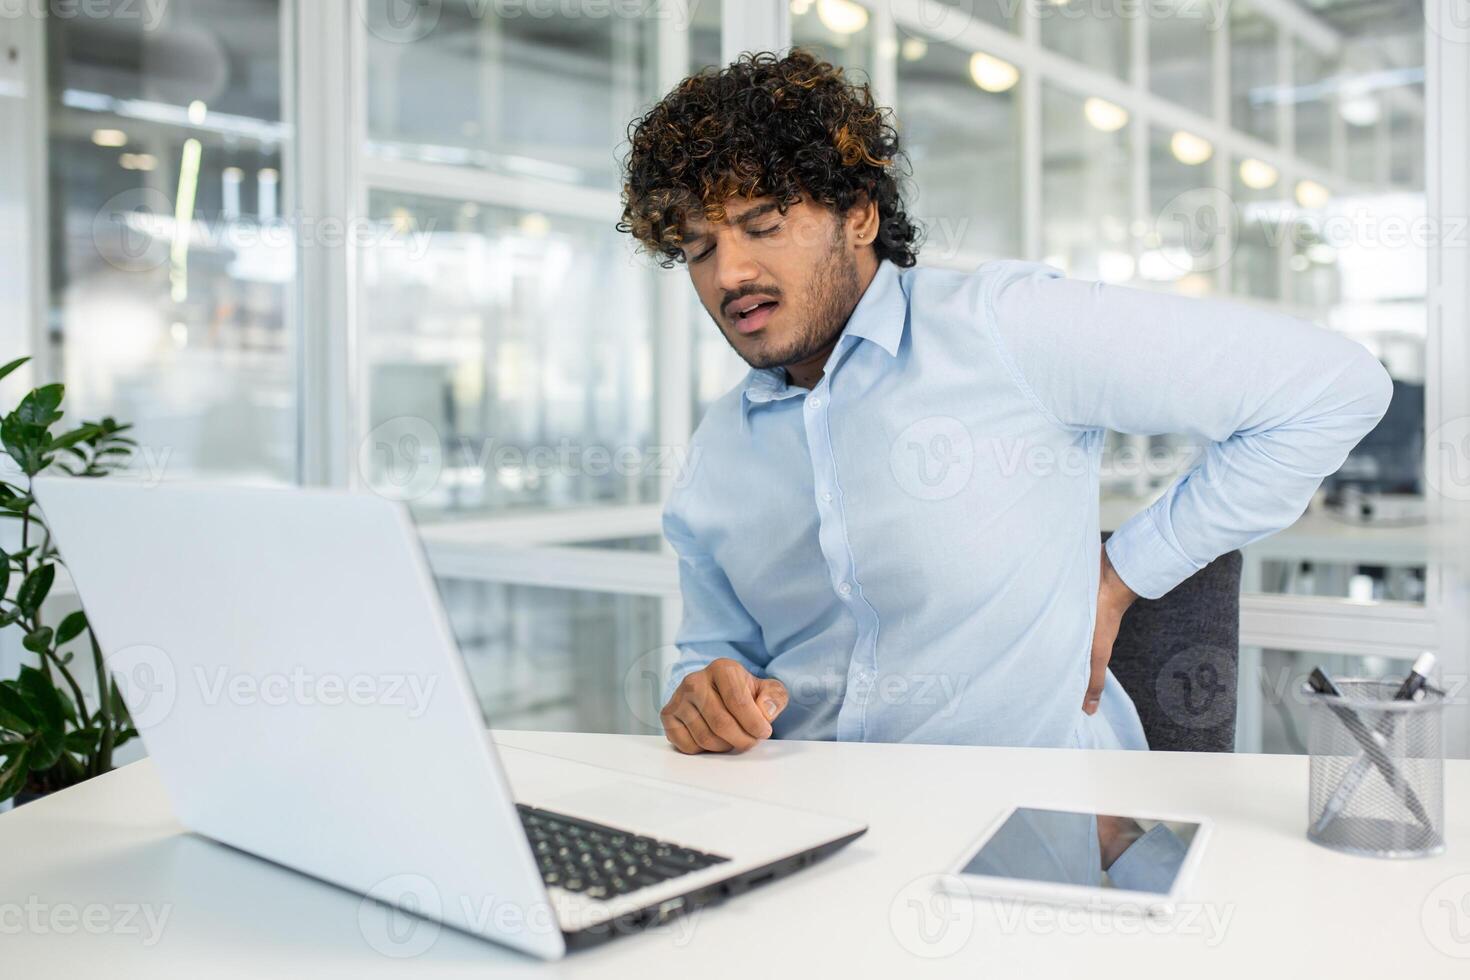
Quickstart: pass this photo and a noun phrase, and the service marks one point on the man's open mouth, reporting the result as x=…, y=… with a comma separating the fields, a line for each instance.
x=751, y=315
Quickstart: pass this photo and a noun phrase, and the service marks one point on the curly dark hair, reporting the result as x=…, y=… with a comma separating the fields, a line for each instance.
x=765, y=126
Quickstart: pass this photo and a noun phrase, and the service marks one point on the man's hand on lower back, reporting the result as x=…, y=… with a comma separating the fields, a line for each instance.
x=1113, y=599
x=722, y=708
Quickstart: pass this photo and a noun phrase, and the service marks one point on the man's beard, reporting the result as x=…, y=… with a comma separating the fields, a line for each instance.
x=834, y=292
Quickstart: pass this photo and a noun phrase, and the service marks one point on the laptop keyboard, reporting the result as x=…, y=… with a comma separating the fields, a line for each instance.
x=602, y=862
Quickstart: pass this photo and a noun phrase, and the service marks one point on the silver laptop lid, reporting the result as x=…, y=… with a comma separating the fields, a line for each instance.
x=294, y=678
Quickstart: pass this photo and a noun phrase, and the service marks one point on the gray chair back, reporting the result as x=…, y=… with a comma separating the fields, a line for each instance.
x=1178, y=656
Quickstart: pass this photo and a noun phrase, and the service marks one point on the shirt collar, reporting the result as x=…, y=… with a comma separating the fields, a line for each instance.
x=879, y=318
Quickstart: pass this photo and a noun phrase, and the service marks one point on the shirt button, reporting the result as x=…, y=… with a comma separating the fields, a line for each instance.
x=844, y=589
x=814, y=403
x=827, y=497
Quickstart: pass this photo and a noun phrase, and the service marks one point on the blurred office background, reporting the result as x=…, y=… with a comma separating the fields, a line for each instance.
x=273, y=233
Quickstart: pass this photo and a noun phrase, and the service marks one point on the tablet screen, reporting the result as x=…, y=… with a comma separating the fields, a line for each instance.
x=1097, y=850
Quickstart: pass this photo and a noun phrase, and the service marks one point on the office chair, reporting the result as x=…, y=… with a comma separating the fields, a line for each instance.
x=1177, y=657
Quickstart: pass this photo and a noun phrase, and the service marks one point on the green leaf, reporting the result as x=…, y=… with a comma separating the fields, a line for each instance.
x=70, y=439
x=45, y=751
x=38, y=641
x=13, y=775
x=33, y=590
x=5, y=370
x=4, y=573
x=24, y=442
x=83, y=741
x=71, y=627
x=15, y=714
x=67, y=708
x=39, y=408
x=120, y=714
x=45, y=702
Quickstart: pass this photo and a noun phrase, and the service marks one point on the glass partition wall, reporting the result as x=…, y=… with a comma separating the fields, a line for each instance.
x=528, y=385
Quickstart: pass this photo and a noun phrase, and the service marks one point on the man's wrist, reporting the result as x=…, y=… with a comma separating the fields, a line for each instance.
x=1114, y=589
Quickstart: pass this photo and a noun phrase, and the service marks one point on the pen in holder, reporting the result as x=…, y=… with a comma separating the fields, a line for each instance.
x=1377, y=770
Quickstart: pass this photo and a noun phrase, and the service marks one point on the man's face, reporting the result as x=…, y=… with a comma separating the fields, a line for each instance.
x=780, y=286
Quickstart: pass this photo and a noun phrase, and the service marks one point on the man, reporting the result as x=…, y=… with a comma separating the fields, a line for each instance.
x=889, y=529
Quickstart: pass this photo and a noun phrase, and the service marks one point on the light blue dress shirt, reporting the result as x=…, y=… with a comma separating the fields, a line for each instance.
x=911, y=546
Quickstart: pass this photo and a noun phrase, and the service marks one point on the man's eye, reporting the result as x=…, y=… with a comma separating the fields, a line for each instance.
x=698, y=258
x=763, y=232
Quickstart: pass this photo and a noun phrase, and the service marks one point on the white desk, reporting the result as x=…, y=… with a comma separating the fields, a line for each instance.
x=1270, y=903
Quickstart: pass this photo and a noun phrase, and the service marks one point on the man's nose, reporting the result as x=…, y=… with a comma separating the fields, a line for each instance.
x=734, y=265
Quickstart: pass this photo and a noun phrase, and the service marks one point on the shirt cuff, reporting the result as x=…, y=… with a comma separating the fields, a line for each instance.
x=1151, y=863
x=1147, y=562
x=677, y=673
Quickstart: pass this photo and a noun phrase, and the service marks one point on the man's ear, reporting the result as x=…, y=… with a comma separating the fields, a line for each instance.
x=862, y=222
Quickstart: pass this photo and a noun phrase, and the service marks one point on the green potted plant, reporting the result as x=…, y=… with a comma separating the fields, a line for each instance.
x=50, y=737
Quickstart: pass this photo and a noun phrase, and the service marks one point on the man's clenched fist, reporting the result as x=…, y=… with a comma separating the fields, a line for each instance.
x=721, y=708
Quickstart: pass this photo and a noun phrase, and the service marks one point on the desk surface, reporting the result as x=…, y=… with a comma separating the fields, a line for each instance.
x=75, y=864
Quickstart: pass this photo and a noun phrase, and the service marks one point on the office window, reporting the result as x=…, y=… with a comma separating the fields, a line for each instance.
x=1189, y=237
x=1095, y=35
x=558, y=659
x=532, y=95
x=647, y=543
x=1254, y=97
x=1342, y=249
x=524, y=340
x=1316, y=119
x=959, y=116
x=1085, y=186
x=704, y=36
x=717, y=367
x=1272, y=705
x=1181, y=52
x=172, y=247
x=1264, y=226
x=945, y=20
x=839, y=31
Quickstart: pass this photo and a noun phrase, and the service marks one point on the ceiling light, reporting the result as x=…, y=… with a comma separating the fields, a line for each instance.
x=1190, y=149
x=197, y=112
x=1362, y=110
x=535, y=224
x=1312, y=195
x=991, y=73
x=914, y=48
x=109, y=137
x=1104, y=115
x=841, y=16
x=1257, y=174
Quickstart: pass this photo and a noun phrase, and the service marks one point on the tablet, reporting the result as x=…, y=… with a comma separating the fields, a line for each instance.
x=1076, y=857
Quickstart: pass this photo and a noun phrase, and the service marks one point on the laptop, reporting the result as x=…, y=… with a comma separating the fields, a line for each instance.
x=288, y=664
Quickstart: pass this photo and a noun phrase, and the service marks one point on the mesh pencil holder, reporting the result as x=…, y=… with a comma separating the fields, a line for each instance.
x=1377, y=771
